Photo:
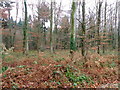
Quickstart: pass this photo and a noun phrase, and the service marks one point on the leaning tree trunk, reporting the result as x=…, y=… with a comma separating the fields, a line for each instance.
x=25, y=30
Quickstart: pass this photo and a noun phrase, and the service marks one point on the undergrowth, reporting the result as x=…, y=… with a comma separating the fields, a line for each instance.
x=77, y=80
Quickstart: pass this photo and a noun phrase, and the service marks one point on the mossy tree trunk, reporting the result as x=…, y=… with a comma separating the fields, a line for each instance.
x=72, y=38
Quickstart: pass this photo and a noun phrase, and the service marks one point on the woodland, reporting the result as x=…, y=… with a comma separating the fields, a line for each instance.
x=56, y=46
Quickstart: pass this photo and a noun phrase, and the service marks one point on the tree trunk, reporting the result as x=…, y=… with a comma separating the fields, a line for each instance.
x=25, y=30
x=104, y=24
x=115, y=35
x=51, y=29
x=72, y=39
x=10, y=33
x=119, y=30
x=83, y=30
x=98, y=27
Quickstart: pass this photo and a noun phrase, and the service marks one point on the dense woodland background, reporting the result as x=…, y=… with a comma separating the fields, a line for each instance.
x=82, y=37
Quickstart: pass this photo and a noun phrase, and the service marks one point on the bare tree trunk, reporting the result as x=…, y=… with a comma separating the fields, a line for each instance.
x=51, y=28
x=104, y=24
x=10, y=33
x=115, y=36
x=38, y=37
x=25, y=30
x=79, y=25
x=83, y=29
x=98, y=27
x=119, y=30
x=56, y=24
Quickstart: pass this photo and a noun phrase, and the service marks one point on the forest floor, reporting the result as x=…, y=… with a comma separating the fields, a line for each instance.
x=45, y=70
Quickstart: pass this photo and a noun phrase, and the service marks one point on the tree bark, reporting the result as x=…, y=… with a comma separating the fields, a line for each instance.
x=119, y=30
x=83, y=29
x=51, y=29
x=25, y=30
x=104, y=24
x=98, y=27
x=72, y=39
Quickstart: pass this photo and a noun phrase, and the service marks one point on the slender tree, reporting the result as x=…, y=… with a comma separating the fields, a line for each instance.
x=25, y=30
x=51, y=28
x=104, y=24
x=119, y=30
x=98, y=26
x=57, y=16
x=38, y=29
x=83, y=29
x=115, y=35
x=72, y=38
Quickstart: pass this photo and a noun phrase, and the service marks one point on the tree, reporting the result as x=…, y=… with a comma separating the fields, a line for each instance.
x=98, y=27
x=72, y=38
x=83, y=29
x=57, y=13
x=25, y=30
x=104, y=24
x=65, y=32
x=51, y=28
x=43, y=16
x=115, y=35
x=119, y=30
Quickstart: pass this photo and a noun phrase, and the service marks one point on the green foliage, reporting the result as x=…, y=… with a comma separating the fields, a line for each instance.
x=57, y=72
x=4, y=76
x=3, y=56
x=21, y=66
x=58, y=83
x=3, y=69
x=15, y=86
x=35, y=62
x=108, y=64
x=113, y=64
x=77, y=79
x=57, y=65
x=8, y=59
x=12, y=56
